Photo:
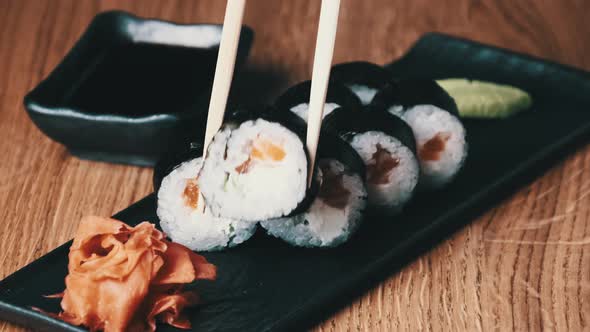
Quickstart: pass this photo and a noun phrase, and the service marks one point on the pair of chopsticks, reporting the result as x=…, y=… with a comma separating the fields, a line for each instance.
x=322, y=63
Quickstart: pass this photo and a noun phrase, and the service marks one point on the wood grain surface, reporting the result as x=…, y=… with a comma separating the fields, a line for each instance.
x=524, y=265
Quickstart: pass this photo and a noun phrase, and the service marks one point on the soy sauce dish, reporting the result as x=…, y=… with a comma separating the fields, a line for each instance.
x=129, y=87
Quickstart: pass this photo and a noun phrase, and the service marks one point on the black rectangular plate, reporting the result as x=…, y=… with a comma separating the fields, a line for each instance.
x=267, y=285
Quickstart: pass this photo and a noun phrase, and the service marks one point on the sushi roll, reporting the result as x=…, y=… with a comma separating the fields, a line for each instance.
x=362, y=78
x=397, y=97
x=183, y=215
x=387, y=146
x=296, y=99
x=183, y=150
x=433, y=116
x=337, y=209
x=256, y=167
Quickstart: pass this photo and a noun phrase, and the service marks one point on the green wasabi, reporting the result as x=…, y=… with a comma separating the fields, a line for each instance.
x=477, y=99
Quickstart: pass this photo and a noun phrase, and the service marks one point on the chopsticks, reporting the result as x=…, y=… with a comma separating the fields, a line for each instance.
x=322, y=62
x=224, y=70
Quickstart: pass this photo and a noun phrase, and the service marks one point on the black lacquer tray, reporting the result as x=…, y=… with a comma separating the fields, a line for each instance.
x=266, y=285
x=129, y=87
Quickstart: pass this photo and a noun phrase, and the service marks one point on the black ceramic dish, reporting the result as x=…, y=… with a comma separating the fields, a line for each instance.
x=266, y=285
x=129, y=87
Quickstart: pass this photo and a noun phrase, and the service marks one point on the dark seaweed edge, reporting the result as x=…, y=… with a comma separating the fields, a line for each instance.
x=174, y=158
x=300, y=93
x=331, y=146
x=360, y=72
x=347, y=123
x=411, y=92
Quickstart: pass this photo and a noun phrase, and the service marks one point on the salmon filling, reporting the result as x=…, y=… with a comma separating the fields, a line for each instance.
x=123, y=278
x=266, y=150
x=332, y=190
x=191, y=194
x=434, y=147
x=262, y=150
x=381, y=166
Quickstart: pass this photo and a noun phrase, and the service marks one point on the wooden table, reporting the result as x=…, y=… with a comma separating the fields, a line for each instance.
x=525, y=264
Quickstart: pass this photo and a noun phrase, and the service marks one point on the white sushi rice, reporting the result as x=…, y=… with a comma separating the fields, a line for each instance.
x=302, y=109
x=390, y=197
x=364, y=92
x=427, y=121
x=397, y=110
x=269, y=189
x=196, y=228
x=323, y=225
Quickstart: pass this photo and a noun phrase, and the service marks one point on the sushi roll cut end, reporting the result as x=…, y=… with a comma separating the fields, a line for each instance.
x=334, y=214
x=386, y=146
x=185, y=218
x=392, y=170
x=254, y=172
x=441, y=142
x=432, y=114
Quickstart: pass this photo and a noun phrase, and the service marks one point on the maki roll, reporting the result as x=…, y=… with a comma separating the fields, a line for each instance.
x=183, y=215
x=336, y=210
x=387, y=146
x=363, y=78
x=296, y=99
x=433, y=116
x=256, y=167
x=399, y=96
